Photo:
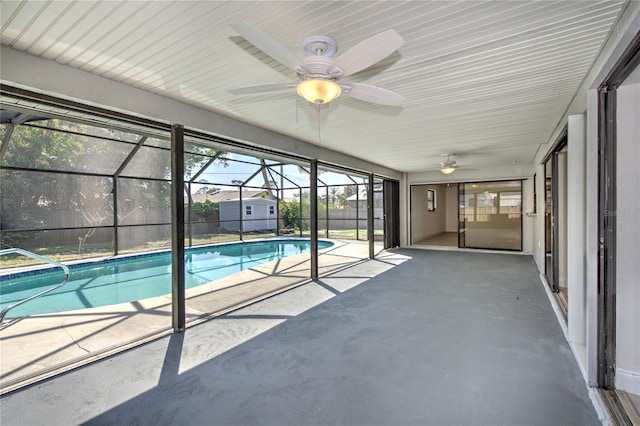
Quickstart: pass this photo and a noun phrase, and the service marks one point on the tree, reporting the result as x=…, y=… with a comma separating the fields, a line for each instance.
x=290, y=213
x=333, y=196
x=46, y=197
x=40, y=200
x=207, y=190
x=205, y=210
x=347, y=191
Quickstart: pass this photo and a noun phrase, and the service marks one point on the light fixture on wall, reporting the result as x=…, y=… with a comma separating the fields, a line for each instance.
x=448, y=166
x=318, y=91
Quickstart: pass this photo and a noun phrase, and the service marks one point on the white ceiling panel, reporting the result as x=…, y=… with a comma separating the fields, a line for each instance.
x=488, y=80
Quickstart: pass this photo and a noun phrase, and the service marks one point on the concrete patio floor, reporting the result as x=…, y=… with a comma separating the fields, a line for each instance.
x=414, y=337
x=41, y=345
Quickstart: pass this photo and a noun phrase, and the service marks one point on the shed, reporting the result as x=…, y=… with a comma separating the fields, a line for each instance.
x=258, y=214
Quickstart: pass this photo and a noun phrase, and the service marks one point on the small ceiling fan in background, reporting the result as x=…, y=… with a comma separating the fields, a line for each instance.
x=319, y=73
x=448, y=166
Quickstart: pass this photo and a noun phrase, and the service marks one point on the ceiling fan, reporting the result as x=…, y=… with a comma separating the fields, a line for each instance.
x=319, y=72
x=448, y=166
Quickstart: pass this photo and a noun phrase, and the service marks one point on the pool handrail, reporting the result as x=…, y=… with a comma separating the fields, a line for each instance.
x=65, y=269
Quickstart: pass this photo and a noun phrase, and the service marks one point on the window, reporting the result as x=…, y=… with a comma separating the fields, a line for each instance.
x=272, y=210
x=431, y=200
x=248, y=210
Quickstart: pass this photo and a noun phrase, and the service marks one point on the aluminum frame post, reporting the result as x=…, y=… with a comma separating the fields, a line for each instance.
x=313, y=220
x=370, y=223
x=178, y=301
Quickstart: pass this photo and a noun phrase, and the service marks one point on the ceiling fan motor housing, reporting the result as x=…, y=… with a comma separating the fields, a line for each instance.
x=319, y=46
x=317, y=66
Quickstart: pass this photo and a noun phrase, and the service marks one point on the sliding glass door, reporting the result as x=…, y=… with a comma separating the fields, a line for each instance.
x=550, y=215
x=490, y=215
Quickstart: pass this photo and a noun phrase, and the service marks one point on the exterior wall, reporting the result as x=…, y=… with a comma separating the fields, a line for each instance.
x=229, y=213
x=259, y=220
x=576, y=252
x=628, y=238
x=581, y=118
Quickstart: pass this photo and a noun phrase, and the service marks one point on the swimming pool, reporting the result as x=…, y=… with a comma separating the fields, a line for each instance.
x=130, y=278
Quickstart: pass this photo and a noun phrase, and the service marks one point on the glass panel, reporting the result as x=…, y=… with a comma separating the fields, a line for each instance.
x=46, y=149
x=305, y=213
x=549, y=222
x=158, y=143
x=143, y=201
x=220, y=276
x=193, y=163
x=197, y=156
x=289, y=212
x=69, y=216
x=205, y=222
x=292, y=177
x=58, y=244
x=332, y=178
x=378, y=212
x=102, y=132
x=322, y=211
x=39, y=200
x=244, y=158
x=491, y=212
x=265, y=179
x=229, y=173
x=149, y=162
x=135, y=239
x=344, y=212
x=272, y=162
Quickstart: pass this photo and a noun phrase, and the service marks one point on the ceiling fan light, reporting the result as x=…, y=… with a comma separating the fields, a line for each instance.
x=448, y=170
x=318, y=91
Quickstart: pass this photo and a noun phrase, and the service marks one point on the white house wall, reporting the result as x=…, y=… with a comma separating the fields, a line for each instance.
x=628, y=237
x=576, y=253
x=583, y=213
x=590, y=214
x=259, y=220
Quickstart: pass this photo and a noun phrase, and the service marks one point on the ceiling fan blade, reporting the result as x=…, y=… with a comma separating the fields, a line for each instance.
x=265, y=43
x=368, y=52
x=374, y=94
x=318, y=112
x=262, y=88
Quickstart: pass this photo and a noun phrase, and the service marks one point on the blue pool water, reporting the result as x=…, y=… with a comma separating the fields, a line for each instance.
x=137, y=277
